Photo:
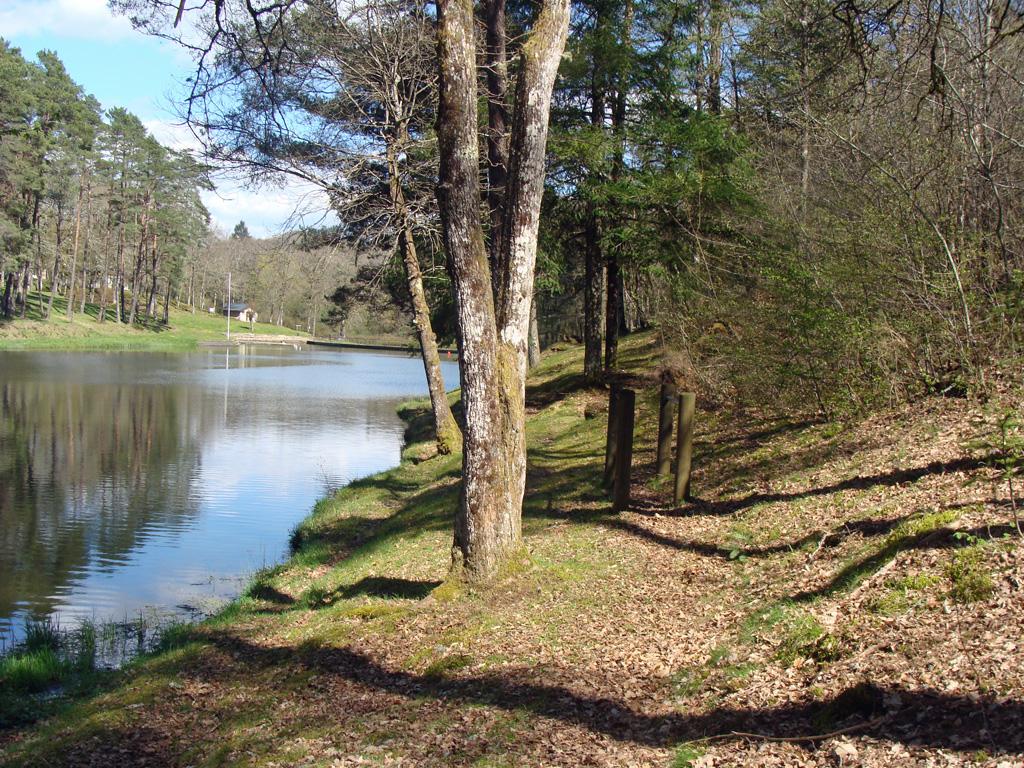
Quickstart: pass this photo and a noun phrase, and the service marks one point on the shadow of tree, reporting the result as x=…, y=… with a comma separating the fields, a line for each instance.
x=430, y=509
x=940, y=538
x=419, y=421
x=387, y=587
x=859, y=482
x=263, y=591
x=920, y=717
x=37, y=307
x=135, y=745
x=547, y=392
x=934, y=539
x=782, y=427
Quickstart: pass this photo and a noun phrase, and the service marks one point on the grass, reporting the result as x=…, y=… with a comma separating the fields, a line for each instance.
x=32, y=671
x=47, y=659
x=53, y=666
x=183, y=332
x=686, y=755
x=904, y=594
x=969, y=577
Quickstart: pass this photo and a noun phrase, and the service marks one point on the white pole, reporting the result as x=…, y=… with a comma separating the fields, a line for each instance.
x=229, y=305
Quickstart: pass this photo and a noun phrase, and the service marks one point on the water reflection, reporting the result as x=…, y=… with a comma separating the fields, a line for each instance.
x=133, y=480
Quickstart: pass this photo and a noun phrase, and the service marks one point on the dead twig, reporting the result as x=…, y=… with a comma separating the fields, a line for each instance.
x=873, y=578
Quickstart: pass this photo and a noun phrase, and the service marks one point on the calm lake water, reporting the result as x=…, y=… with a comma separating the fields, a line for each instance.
x=139, y=482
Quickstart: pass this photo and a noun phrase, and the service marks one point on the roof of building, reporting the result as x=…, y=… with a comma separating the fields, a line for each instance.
x=237, y=307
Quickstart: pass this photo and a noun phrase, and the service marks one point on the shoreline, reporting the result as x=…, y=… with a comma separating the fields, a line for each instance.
x=95, y=655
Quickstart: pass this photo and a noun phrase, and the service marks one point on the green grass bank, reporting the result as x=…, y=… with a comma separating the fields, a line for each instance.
x=836, y=594
x=183, y=332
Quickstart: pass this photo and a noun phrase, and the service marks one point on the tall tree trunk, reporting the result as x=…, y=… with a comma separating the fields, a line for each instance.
x=56, y=258
x=533, y=347
x=805, y=131
x=593, y=260
x=613, y=313
x=449, y=438
x=119, y=280
x=492, y=339
x=713, y=74
x=496, y=64
x=614, y=308
x=69, y=312
x=140, y=256
x=154, y=262
x=167, y=303
x=101, y=316
x=26, y=270
x=593, y=296
x=39, y=249
x=8, y=300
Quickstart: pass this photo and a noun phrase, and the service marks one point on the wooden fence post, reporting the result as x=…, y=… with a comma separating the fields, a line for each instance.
x=684, y=446
x=624, y=450
x=613, y=419
x=665, y=412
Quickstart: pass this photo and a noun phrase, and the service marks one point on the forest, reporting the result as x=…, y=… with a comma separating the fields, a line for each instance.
x=97, y=212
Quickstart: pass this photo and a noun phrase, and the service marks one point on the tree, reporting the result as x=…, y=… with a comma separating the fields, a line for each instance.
x=17, y=107
x=493, y=324
x=240, y=232
x=57, y=156
x=493, y=299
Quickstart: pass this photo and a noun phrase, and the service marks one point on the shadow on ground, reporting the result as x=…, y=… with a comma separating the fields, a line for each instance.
x=912, y=717
x=36, y=310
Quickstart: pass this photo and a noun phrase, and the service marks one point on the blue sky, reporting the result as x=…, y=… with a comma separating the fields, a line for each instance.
x=123, y=68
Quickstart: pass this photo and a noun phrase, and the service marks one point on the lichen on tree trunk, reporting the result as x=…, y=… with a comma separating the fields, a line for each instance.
x=492, y=335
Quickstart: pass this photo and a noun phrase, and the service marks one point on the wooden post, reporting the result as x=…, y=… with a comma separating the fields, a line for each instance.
x=665, y=413
x=624, y=450
x=684, y=446
x=609, y=451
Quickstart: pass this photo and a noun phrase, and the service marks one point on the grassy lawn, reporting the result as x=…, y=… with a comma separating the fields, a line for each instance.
x=83, y=332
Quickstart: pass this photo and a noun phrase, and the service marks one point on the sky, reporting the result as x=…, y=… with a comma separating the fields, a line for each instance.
x=124, y=68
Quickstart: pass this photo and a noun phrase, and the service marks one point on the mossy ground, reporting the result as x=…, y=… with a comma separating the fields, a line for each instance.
x=628, y=639
x=184, y=331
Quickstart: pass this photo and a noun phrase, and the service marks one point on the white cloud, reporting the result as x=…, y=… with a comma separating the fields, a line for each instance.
x=267, y=211
x=80, y=19
x=173, y=135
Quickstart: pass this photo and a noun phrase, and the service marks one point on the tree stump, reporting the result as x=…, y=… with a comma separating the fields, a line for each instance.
x=610, y=448
x=624, y=449
x=665, y=413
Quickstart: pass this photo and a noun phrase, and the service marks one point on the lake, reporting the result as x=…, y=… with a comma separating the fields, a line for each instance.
x=148, y=482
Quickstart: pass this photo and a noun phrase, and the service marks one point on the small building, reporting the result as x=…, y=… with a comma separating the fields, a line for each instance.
x=242, y=312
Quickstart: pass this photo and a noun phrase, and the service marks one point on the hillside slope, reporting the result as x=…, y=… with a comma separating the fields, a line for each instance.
x=184, y=331
x=839, y=595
